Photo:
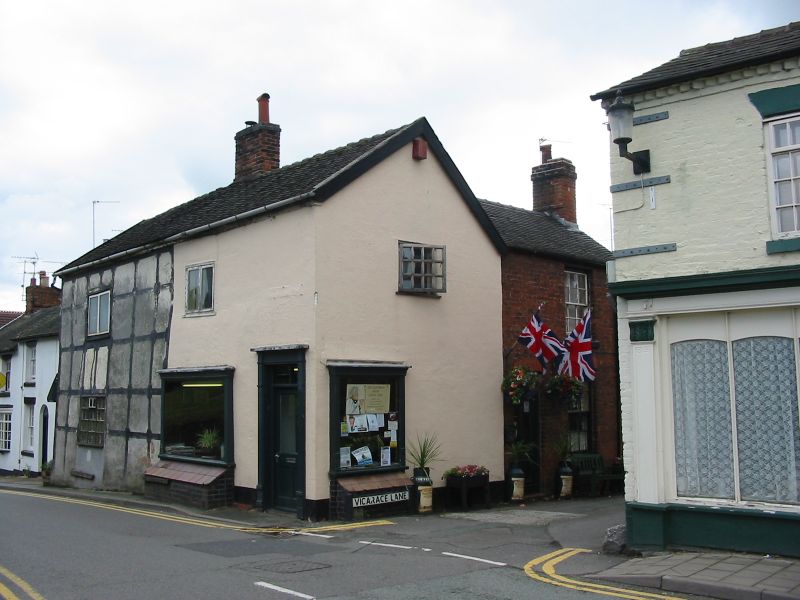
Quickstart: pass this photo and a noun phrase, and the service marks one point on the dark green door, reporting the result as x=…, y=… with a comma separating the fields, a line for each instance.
x=285, y=448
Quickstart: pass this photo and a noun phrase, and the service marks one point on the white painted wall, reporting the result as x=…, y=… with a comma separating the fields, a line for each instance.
x=716, y=207
x=326, y=276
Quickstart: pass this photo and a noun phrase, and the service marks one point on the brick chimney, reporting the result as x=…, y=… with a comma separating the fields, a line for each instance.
x=42, y=295
x=554, y=186
x=258, y=146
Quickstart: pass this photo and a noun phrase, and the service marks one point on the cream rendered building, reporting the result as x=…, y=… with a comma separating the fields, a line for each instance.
x=369, y=270
x=707, y=279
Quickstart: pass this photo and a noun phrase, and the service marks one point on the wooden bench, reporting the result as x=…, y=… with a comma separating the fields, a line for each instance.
x=589, y=467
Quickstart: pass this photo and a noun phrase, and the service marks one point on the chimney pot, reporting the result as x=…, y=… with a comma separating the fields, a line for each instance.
x=43, y=279
x=263, y=108
x=546, y=150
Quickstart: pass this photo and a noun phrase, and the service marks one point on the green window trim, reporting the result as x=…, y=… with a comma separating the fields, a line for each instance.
x=776, y=101
x=781, y=246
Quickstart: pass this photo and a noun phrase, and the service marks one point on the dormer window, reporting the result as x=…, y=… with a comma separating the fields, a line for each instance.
x=422, y=268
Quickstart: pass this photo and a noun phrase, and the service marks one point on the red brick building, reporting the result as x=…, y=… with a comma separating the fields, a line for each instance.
x=550, y=262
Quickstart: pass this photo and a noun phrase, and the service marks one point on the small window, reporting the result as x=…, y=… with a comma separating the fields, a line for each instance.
x=5, y=380
x=99, y=313
x=30, y=424
x=422, y=268
x=30, y=362
x=785, y=175
x=200, y=288
x=576, y=298
x=5, y=430
x=92, y=421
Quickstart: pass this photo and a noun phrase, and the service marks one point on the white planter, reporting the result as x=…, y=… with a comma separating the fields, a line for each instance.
x=425, y=498
x=518, y=492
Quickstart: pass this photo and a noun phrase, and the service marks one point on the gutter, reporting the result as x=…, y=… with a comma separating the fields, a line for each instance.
x=186, y=234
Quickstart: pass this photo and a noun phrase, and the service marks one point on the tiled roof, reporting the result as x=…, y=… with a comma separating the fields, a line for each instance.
x=759, y=48
x=314, y=178
x=6, y=316
x=45, y=322
x=540, y=233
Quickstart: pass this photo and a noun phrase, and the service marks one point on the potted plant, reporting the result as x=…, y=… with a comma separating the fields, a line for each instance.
x=423, y=453
x=563, y=448
x=520, y=453
x=47, y=470
x=465, y=477
x=564, y=387
x=520, y=383
x=208, y=442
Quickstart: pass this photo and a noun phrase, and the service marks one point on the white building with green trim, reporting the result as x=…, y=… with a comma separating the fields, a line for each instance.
x=707, y=280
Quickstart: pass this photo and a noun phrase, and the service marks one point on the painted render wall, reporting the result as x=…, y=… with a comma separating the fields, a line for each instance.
x=121, y=366
x=716, y=207
x=326, y=275
x=263, y=296
x=453, y=343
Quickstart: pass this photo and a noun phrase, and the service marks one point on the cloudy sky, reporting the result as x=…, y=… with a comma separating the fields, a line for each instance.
x=131, y=107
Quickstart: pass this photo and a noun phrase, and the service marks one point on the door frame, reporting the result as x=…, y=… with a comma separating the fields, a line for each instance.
x=270, y=357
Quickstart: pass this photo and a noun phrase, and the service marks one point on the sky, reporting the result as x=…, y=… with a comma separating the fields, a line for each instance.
x=125, y=109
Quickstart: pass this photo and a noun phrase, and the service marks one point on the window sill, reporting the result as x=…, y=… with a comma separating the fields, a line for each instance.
x=420, y=294
x=199, y=313
x=97, y=336
x=784, y=245
x=5, y=394
x=29, y=384
x=367, y=471
x=197, y=460
x=5, y=451
x=27, y=453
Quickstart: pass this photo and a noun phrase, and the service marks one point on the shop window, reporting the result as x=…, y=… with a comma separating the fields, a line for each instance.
x=92, y=421
x=99, y=316
x=197, y=415
x=367, y=418
x=422, y=268
x=5, y=430
x=199, y=288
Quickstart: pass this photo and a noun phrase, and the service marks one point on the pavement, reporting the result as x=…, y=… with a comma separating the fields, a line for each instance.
x=577, y=523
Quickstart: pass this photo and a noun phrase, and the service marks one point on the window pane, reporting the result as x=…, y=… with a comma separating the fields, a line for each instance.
x=781, y=133
x=794, y=127
x=783, y=193
x=703, y=437
x=208, y=287
x=795, y=164
x=194, y=415
x=288, y=401
x=103, y=321
x=786, y=219
x=783, y=166
x=93, y=313
x=767, y=419
x=192, y=289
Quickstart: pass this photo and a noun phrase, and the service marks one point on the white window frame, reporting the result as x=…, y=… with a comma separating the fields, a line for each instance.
x=93, y=324
x=772, y=152
x=30, y=426
x=430, y=271
x=6, y=362
x=92, y=421
x=573, y=307
x=30, y=362
x=5, y=430
x=200, y=267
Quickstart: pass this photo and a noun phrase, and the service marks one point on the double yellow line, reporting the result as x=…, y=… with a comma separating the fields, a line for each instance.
x=543, y=569
x=22, y=585
x=196, y=521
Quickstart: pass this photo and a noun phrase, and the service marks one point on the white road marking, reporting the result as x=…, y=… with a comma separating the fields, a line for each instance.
x=389, y=545
x=270, y=586
x=319, y=535
x=483, y=560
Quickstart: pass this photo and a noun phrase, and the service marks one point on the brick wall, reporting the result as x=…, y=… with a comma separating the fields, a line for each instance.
x=218, y=493
x=258, y=150
x=528, y=281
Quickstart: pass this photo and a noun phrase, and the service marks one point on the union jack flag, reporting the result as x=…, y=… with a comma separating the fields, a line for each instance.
x=577, y=361
x=540, y=339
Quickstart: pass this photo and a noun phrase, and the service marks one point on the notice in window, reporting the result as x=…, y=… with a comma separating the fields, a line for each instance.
x=344, y=457
x=386, y=456
x=377, y=398
x=355, y=399
x=363, y=456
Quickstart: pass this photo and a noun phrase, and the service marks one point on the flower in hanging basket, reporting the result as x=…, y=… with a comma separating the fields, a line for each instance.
x=519, y=382
x=564, y=387
x=466, y=471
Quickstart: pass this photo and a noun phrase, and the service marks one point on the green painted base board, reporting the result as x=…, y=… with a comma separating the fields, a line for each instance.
x=661, y=526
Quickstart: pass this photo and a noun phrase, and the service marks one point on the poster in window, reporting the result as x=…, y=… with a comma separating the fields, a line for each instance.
x=377, y=398
x=357, y=423
x=344, y=427
x=363, y=456
x=344, y=457
x=356, y=395
x=372, y=422
x=386, y=456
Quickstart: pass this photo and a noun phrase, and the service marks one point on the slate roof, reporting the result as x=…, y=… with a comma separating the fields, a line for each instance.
x=540, y=233
x=759, y=48
x=45, y=322
x=314, y=178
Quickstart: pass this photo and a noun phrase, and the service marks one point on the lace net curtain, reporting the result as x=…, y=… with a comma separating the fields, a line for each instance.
x=767, y=430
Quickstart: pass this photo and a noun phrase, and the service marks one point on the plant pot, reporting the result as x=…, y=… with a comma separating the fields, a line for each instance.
x=422, y=476
x=518, y=491
x=565, y=474
x=425, y=498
